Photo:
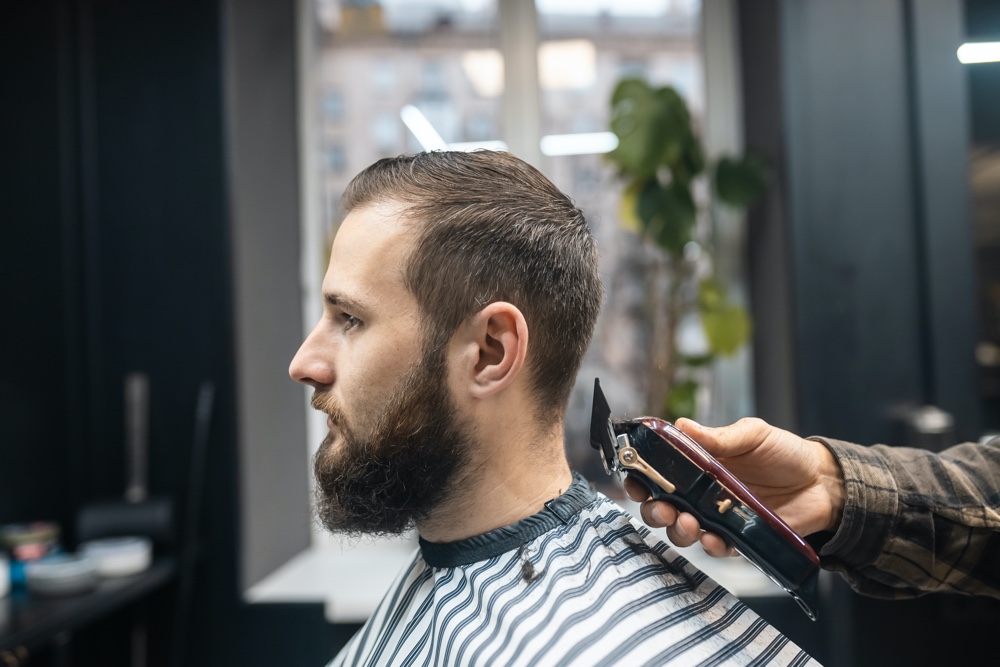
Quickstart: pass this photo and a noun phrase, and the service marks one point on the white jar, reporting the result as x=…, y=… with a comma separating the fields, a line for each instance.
x=119, y=556
x=4, y=575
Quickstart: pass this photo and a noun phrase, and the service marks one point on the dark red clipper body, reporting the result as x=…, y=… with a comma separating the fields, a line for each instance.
x=675, y=468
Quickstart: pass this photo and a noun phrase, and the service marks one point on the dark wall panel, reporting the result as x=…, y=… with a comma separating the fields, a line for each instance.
x=851, y=216
x=770, y=262
x=39, y=406
x=869, y=223
x=940, y=118
x=982, y=24
x=160, y=267
x=116, y=253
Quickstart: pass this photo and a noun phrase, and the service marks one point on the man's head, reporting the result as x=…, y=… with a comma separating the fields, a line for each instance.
x=491, y=227
x=432, y=243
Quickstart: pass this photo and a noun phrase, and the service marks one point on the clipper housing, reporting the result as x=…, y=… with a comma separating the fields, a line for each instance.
x=676, y=469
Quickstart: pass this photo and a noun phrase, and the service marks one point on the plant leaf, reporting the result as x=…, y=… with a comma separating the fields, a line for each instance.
x=648, y=208
x=741, y=181
x=628, y=213
x=675, y=126
x=696, y=361
x=682, y=400
x=651, y=126
x=727, y=329
x=727, y=325
x=677, y=214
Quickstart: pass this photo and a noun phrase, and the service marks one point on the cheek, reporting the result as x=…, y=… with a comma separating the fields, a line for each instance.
x=370, y=374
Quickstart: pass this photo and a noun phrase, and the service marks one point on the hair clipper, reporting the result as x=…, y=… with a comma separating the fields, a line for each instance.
x=676, y=469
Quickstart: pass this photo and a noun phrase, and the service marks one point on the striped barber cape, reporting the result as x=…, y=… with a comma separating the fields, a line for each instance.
x=579, y=583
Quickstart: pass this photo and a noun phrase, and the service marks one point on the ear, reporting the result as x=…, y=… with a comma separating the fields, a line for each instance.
x=497, y=342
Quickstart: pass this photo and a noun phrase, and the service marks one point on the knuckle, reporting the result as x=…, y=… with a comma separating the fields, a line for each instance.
x=752, y=423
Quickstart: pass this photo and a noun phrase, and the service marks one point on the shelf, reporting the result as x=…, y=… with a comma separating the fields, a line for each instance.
x=32, y=621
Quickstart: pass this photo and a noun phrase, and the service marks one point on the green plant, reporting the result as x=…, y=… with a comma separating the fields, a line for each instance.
x=661, y=160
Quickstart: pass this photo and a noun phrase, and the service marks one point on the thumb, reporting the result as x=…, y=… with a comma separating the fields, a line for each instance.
x=721, y=442
x=703, y=435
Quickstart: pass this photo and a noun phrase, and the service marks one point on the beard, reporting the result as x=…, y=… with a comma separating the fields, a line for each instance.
x=397, y=461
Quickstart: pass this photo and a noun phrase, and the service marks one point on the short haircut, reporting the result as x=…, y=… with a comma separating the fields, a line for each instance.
x=492, y=228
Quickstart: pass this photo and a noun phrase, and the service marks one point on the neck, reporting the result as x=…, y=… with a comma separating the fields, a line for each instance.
x=512, y=478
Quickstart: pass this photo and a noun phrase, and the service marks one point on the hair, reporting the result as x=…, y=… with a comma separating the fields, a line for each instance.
x=491, y=227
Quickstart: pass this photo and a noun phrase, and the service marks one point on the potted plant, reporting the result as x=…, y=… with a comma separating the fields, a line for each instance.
x=662, y=162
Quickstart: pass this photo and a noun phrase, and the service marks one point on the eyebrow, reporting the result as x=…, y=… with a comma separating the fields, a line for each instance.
x=341, y=301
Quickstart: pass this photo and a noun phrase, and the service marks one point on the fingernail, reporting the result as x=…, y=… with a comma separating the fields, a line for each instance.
x=680, y=529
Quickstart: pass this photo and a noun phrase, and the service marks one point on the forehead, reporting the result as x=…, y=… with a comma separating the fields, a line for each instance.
x=368, y=254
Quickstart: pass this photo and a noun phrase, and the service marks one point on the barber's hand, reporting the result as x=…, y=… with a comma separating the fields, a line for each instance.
x=798, y=479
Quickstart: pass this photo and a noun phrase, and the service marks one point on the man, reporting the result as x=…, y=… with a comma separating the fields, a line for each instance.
x=894, y=521
x=461, y=296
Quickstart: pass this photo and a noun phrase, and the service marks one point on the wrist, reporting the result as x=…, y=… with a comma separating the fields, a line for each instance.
x=831, y=481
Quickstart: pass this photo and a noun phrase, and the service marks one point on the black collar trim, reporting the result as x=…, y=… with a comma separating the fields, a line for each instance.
x=558, y=511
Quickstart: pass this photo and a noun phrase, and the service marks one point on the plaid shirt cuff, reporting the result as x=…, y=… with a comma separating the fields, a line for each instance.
x=869, y=518
x=916, y=522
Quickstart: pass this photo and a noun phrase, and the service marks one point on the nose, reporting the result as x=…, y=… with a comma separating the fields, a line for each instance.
x=313, y=363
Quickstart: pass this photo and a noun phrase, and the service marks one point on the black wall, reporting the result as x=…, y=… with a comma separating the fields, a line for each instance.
x=116, y=256
x=861, y=259
x=983, y=25
x=41, y=416
x=861, y=264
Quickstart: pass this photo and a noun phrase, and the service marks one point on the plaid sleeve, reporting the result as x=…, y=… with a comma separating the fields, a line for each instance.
x=917, y=522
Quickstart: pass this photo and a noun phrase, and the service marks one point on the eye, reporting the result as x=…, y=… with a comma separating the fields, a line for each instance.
x=349, y=321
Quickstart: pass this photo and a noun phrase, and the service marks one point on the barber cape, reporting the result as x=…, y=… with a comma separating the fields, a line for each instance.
x=579, y=583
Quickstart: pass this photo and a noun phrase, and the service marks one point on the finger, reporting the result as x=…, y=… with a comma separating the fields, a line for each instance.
x=658, y=514
x=717, y=547
x=635, y=490
x=685, y=530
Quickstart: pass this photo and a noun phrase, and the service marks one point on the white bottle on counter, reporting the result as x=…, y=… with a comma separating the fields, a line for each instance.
x=4, y=575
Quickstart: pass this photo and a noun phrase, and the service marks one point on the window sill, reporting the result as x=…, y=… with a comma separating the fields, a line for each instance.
x=348, y=576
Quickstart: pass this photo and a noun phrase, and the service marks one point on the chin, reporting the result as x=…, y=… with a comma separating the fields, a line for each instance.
x=333, y=442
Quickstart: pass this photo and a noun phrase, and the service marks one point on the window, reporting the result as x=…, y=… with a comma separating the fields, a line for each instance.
x=402, y=65
x=481, y=126
x=336, y=158
x=386, y=132
x=383, y=76
x=433, y=82
x=333, y=107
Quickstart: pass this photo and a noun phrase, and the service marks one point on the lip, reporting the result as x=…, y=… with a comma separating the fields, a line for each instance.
x=329, y=422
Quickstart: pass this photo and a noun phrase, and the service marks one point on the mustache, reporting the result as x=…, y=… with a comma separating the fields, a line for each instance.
x=324, y=402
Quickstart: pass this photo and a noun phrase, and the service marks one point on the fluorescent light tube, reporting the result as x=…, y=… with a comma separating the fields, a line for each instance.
x=579, y=144
x=979, y=52
x=422, y=129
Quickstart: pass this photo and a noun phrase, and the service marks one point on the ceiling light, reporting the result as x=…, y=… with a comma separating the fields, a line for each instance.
x=422, y=129
x=979, y=52
x=587, y=143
